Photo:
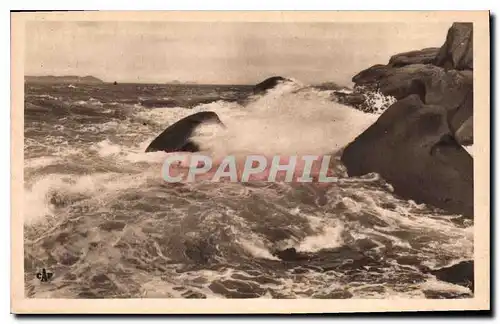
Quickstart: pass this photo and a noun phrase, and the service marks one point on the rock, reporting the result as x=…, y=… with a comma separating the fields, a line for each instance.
x=412, y=147
x=351, y=99
x=194, y=295
x=371, y=75
x=269, y=83
x=457, y=51
x=176, y=137
x=290, y=254
x=433, y=84
x=465, y=110
x=460, y=274
x=452, y=89
x=218, y=287
x=424, y=56
x=464, y=135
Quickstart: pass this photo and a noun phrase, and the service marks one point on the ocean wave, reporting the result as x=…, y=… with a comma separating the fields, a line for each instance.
x=114, y=228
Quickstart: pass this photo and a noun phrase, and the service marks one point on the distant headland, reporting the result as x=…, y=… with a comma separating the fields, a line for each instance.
x=62, y=79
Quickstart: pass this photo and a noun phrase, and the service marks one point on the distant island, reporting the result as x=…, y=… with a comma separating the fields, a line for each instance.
x=62, y=79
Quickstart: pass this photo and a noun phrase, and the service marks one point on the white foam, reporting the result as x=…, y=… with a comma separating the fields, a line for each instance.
x=434, y=284
x=328, y=238
x=256, y=249
x=106, y=148
x=271, y=124
x=40, y=161
x=37, y=198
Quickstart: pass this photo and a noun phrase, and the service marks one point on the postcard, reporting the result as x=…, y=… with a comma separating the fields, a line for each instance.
x=250, y=162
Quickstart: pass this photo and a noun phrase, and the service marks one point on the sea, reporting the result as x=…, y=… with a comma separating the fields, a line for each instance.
x=99, y=216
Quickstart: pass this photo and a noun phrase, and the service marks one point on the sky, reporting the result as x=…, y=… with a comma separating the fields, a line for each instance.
x=220, y=52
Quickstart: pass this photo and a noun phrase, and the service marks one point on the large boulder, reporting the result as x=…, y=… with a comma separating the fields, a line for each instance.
x=412, y=147
x=424, y=56
x=176, y=137
x=457, y=51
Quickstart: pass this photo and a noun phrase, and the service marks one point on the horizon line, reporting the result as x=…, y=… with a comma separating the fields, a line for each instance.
x=169, y=82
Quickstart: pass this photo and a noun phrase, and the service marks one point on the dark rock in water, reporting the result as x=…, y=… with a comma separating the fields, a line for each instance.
x=412, y=147
x=238, y=291
x=460, y=274
x=290, y=254
x=457, y=51
x=269, y=84
x=424, y=56
x=194, y=295
x=176, y=137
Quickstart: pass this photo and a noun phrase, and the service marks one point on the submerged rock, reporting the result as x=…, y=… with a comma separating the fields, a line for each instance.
x=412, y=147
x=176, y=137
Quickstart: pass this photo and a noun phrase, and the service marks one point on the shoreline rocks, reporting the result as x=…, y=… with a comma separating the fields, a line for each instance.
x=416, y=144
x=411, y=147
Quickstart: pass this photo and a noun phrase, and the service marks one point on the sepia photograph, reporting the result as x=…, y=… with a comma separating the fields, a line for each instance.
x=338, y=160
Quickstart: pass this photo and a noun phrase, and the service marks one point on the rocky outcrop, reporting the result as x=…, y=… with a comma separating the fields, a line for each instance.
x=269, y=83
x=457, y=52
x=412, y=147
x=424, y=56
x=451, y=89
x=176, y=138
x=439, y=76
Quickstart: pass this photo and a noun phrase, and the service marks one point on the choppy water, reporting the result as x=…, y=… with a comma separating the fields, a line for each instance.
x=99, y=216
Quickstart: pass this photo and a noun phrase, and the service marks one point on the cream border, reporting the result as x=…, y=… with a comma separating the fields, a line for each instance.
x=481, y=299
